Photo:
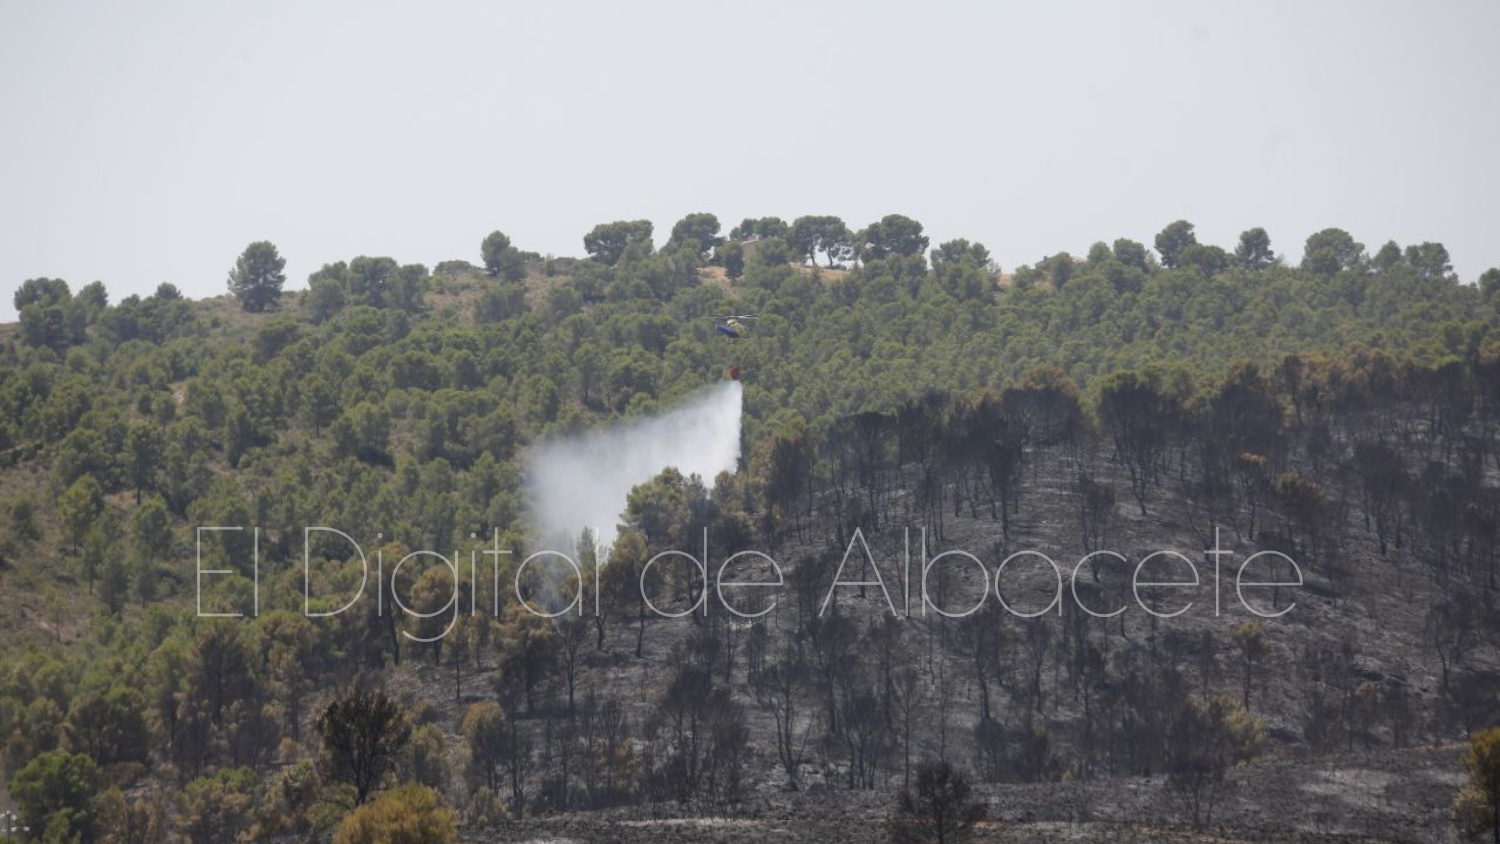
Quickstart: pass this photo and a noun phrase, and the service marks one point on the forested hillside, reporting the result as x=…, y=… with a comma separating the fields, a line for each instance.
x=1342, y=409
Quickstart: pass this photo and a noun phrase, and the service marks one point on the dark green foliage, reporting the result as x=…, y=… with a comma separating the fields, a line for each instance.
x=960, y=250
x=1207, y=260
x=500, y=302
x=363, y=431
x=731, y=256
x=161, y=317
x=1172, y=240
x=51, y=318
x=94, y=298
x=701, y=228
x=608, y=241
x=325, y=293
x=142, y=458
x=44, y=292
x=1430, y=260
x=1331, y=251
x=273, y=336
x=1060, y=268
x=821, y=234
x=257, y=276
x=1254, y=251
x=375, y=282
x=109, y=727
x=501, y=259
x=1286, y=403
x=763, y=228
x=21, y=521
x=964, y=270
x=80, y=507
x=773, y=252
x=1131, y=254
x=54, y=794
x=894, y=234
x=1489, y=283
x=220, y=809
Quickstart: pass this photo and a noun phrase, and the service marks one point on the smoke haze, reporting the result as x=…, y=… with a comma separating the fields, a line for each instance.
x=582, y=481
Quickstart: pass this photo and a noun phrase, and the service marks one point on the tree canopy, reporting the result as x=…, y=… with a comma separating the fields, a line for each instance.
x=1340, y=408
x=608, y=241
x=257, y=276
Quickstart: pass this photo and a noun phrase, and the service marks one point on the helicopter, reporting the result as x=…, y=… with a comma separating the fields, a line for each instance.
x=733, y=325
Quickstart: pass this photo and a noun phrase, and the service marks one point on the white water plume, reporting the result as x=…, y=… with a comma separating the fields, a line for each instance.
x=581, y=481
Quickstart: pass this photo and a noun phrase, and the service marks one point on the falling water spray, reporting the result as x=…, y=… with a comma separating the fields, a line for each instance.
x=582, y=481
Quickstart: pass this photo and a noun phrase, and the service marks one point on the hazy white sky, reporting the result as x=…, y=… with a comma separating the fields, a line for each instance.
x=151, y=141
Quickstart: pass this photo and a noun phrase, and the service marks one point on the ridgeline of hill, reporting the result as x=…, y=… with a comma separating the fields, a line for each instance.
x=1342, y=411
